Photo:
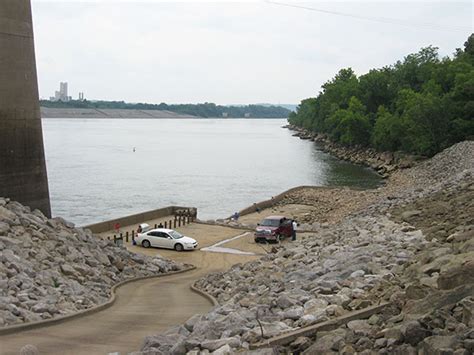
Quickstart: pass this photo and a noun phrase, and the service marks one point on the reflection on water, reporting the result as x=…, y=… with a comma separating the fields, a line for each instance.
x=104, y=168
x=341, y=173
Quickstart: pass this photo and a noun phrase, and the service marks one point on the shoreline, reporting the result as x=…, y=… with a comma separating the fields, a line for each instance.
x=403, y=247
x=375, y=246
x=384, y=163
x=92, y=113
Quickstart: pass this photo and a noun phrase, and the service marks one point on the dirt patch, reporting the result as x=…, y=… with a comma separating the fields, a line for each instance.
x=317, y=205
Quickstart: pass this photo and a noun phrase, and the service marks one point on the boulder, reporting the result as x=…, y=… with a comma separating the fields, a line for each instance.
x=224, y=350
x=263, y=351
x=359, y=327
x=162, y=342
x=213, y=345
x=328, y=343
x=467, y=305
x=414, y=333
x=407, y=216
x=456, y=276
x=189, y=325
x=293, y=313
x=438, y=345
x=4, y=228
x=415, y=292
x=284, y=301
x=300, y=344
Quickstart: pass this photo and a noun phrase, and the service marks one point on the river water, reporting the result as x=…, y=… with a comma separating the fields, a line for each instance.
x=100, y=169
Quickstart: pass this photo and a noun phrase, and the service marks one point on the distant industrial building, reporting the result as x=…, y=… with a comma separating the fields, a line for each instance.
x=61, y=95
x=247, y=115
x=81, y=96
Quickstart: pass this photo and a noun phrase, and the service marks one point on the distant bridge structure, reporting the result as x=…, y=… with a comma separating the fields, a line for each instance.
x=22, y=163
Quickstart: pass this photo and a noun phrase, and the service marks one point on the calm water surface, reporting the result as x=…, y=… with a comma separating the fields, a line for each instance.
x=216, y=165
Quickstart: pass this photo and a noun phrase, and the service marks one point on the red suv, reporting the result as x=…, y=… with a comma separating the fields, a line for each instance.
x=274, y=229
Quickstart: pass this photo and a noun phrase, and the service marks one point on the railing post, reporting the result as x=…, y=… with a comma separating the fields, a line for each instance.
x=170, y=224
x=165, y=225
x=184, y=220
x=156, y=225
x=126, y=236
x=133, y=236
x=115, y=238
x=174, y=225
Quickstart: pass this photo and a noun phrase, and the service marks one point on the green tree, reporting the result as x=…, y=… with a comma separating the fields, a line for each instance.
x=388, y=131
x=421, y=104
x=351, y=125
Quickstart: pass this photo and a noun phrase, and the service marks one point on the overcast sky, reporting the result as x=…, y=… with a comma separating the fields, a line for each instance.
x=229, y=53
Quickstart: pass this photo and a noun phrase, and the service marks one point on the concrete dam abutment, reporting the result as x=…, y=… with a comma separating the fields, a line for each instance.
x=22, y=163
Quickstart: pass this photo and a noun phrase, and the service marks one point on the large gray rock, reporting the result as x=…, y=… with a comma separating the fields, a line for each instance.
x=192, y=321
x=327, y=344
x=359, y=327
x=50, y=268
x=414, y=333
x=213, y=345
x=467, y=305
x=457, y=275
x=438, y=345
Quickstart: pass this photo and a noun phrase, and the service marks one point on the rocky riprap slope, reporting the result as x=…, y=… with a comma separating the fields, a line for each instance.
x=331, y=204
x=387, y=252
x=434, y=291
x=48, y=268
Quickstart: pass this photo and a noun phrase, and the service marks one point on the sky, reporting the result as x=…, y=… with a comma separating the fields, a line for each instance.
x=230, y=52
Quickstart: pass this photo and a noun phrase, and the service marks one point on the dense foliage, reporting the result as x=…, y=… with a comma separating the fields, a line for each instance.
x=200, y=110
x=419, y=105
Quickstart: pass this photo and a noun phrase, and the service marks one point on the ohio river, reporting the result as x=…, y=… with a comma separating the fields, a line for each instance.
x=104, y=168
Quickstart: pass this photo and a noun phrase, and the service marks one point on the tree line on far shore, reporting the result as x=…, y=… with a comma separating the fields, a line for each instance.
x=420, y=105
x=200, y=110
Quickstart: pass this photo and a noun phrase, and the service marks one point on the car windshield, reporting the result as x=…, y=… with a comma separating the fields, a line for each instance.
x=175, y=235
x=270, y=223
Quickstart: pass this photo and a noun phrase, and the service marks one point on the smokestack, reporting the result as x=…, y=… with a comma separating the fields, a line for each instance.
x=22, y=164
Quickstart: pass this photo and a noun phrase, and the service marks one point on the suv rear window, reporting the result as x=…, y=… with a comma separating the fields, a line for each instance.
x=270, y=223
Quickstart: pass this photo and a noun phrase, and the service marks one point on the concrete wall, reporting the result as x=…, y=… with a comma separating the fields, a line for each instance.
x=49, y=112
x=135, y=218
x=22, y=165
x=275, y=199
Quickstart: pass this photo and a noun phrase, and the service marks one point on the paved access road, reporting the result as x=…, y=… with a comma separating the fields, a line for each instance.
x=142, y=308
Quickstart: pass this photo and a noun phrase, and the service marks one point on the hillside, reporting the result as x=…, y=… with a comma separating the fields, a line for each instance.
x=48, y=112
x=205, y=110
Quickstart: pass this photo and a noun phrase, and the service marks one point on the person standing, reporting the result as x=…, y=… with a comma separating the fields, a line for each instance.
x=294, y=225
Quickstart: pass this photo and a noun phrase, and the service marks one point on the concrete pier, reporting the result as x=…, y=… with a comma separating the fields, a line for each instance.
x=22, y=164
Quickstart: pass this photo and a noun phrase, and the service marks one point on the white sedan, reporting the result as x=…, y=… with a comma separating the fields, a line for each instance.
x=165, y=238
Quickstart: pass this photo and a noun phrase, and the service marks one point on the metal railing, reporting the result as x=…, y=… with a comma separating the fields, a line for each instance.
x=181, y=218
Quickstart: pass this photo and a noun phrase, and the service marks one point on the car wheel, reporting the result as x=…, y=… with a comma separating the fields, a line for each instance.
x=146, y=244
x=178, y=247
